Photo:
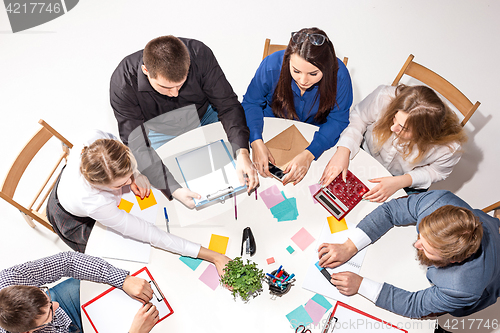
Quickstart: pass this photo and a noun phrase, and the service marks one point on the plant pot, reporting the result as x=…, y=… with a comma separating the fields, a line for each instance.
x=277, y=290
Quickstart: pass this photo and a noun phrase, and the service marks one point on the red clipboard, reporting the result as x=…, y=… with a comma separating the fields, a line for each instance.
x=158, y=297
x=341, y=312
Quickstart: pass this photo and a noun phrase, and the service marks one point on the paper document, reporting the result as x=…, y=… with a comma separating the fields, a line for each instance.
x=113, y=311
x=350, y=319
x=210, y=171
x=315, y=281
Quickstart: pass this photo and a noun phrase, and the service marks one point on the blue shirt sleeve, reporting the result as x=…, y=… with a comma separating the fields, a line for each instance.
x=257, y=100
x=338, y=119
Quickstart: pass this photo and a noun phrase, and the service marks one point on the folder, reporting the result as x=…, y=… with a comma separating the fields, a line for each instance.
x=350, y=319
x=210, y=171
x=286, y=145
x=113, y=310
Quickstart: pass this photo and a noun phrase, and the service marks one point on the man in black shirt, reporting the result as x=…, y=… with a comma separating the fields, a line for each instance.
x=170, y=87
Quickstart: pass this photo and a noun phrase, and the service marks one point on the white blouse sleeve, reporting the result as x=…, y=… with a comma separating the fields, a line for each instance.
x=134, y=227
x=364, y=114
x=437, y=169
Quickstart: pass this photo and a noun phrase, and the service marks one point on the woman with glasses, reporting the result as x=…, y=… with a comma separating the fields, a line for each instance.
x=410, y=131
x=305, y=82
x=90, y=187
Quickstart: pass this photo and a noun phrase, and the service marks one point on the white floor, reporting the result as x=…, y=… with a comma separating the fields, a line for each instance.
x=60, y=71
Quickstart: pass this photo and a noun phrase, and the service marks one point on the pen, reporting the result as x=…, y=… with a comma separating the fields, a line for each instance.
x=235, y=210
x=289, y=278
x=166, y=218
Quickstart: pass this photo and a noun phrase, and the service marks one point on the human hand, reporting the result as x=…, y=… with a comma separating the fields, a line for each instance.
x=138, y=288
x=220, y=262
x=386, y=187
x=347, y=282
x=140, y=186
x=261, y=157
x=247, y=174
x=185, y=196
x=145, y=319
x=333, y=255
x=297, y=169
x=337, y=164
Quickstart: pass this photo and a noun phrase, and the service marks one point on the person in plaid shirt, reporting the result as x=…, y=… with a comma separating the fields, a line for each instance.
x=27, y=306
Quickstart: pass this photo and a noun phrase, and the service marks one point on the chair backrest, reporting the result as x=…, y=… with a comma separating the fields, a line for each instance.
x=439, y=84
x=18, y=168
x=491, y=207
x=271, y=48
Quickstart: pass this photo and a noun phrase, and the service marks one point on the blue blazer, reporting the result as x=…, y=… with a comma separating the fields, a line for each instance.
x=459, y=289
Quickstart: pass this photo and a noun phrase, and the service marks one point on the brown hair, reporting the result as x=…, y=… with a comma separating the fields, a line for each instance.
x=21, y=307
x=430, y=121
x=167, y=57
x=324, y=58
x=106, y=160
x=455, y=232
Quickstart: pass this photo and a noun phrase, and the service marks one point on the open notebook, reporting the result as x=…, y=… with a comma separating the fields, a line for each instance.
x=315, y=281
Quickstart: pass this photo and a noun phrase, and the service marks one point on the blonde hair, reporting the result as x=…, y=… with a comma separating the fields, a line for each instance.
x=430, y=121
x=106, y=160
x=453, y=231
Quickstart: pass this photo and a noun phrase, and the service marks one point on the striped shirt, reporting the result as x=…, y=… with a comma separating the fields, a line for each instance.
x=51, y=269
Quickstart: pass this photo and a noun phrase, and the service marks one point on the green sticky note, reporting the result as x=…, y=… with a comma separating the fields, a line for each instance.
x=290, y=249
x=192, y=263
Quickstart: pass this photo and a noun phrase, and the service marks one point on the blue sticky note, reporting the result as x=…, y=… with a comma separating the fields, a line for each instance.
x=318, y=266
x=321, y=300
x=286, y=210
x=192, y=263
x=299, y=316
x=290, y=249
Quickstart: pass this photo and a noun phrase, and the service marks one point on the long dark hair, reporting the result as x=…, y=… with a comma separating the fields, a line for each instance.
x=324, y=58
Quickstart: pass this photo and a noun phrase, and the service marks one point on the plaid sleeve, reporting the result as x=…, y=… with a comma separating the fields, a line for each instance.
x=67, y=264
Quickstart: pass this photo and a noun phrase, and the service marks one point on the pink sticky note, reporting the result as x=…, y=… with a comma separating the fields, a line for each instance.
x=272, y=196
x=270, y=260
x=303, y=239
x=315, y=311
x=210, y=277
x=313, y=189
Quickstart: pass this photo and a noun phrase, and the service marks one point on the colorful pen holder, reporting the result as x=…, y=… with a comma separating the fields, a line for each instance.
x=276, y=290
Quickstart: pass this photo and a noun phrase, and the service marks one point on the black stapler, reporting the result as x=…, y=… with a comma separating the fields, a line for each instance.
x=250, y=242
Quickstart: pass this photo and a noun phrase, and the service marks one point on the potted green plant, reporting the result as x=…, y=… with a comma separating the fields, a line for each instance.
x=243, y=280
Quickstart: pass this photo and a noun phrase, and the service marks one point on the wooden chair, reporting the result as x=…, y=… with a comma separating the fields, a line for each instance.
x=441, y=85
x=18, y=168
x=491, y=207
x=271, y=48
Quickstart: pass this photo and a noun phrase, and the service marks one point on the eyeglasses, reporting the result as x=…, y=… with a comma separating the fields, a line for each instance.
x=315, y=39
x=51, y=322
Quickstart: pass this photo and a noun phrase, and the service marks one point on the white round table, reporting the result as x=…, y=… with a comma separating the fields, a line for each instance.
x=197, y=308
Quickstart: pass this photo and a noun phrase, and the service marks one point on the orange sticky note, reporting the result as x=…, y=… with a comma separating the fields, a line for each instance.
x=147, y=201
x=218, y=243
x=336, y=225
x=125, y=205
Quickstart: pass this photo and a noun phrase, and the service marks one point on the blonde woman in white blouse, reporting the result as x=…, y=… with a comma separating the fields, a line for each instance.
x=409, y=130
x=90, y=188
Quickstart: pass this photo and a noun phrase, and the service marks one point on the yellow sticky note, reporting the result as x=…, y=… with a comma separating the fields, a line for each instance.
x=218, y=243
x=147, y=201
x=336, y=225
x=125, y=205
